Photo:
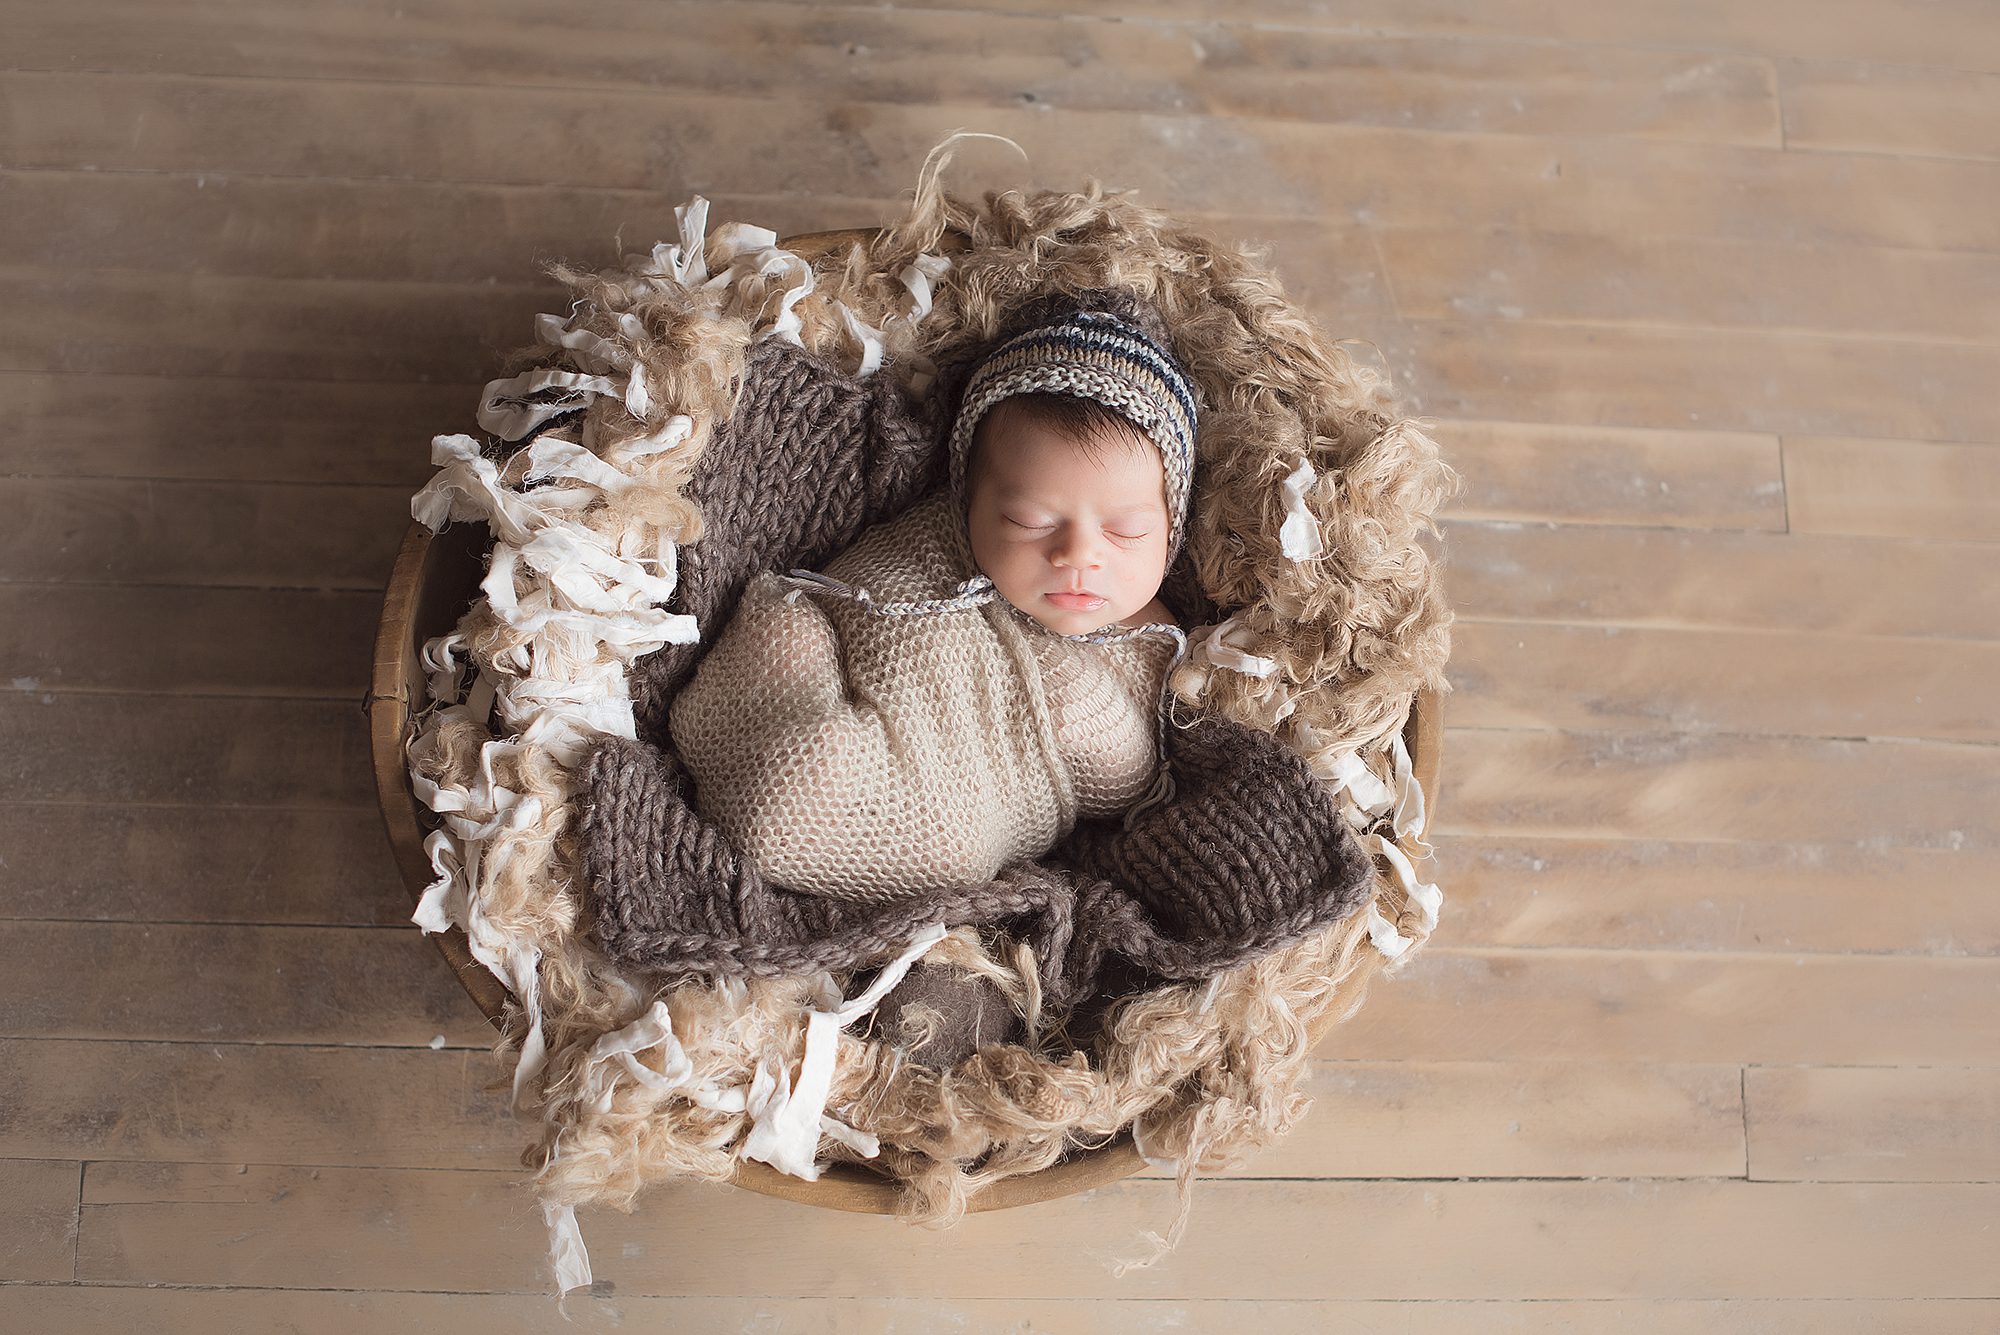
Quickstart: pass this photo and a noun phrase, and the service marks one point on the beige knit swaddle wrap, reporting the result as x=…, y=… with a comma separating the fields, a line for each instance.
x=866, y=756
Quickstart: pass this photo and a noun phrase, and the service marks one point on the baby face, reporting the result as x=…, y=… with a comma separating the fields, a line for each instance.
x=1075, y=539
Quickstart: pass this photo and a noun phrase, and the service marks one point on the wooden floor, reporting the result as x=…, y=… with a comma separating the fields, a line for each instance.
x=1705, y=299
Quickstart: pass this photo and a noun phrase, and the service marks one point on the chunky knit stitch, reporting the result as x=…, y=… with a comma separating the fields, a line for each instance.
x=811, y=457
x=1247, y=856
x=863, y=755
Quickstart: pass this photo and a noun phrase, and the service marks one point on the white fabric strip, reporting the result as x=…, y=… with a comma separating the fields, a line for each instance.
x=1299, y=535
x=788, y=1122
x=918, y=278
x=1214, y=648
x=507, y=412
x=1425, y=896
x=566, y=1248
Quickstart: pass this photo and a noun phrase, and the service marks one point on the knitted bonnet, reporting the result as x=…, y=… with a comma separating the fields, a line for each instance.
x=1087, y=354
x=1101, y=356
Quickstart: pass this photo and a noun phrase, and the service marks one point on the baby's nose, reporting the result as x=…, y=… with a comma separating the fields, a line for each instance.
x=1077, y=548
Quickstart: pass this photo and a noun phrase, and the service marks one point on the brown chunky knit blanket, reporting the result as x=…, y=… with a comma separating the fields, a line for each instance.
x=1249, y=854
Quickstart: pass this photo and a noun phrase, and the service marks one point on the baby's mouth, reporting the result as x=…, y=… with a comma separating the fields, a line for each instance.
x=1076, y=602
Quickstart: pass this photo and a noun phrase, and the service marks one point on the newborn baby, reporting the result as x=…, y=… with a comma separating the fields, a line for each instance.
x=971, y=678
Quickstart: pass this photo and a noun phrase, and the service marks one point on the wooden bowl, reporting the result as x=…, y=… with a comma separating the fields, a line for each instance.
x=434, y=581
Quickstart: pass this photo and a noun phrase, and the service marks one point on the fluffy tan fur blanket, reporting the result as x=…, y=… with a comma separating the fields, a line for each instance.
x=1321, y=615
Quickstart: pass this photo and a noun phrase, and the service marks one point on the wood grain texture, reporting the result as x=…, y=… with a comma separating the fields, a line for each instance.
x=1869, y=292
x=1472, y=1004
x=196, y=984
x=1743, y=379
x=1054, y=63
x=297, y=329
x=1612, y=475
x=1869, y=107
x=87, y=860
x=1893, y=489
x=225, y=429
x=185, y=1224
x=1901, y=1124
x=114, y=637
x=230, y=1102
x=147, y=532
x=1510, y=889
x=38, y=1228
x=1683, y=786
x=1733, y=581
x=1961, y=34
x=202, y=1311
x=1527, y=1118
x=193, y=752
x=845, y=149
x=1522, y=674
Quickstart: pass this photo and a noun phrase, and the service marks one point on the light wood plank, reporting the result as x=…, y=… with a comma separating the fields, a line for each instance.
x=147, y=532
x=1761, y=789
x=1959, y=34
x=184, y=751
x=1903, y=1124
x=1857, y=107
x=38, y=1227
x=1485, y=1004
x=88, y=860
x=94, y=1308
x=1526, y=890
x=1710, y=379
x=1735, y=581
x=1519, y=674
x=1057, y=63
x=372, y=987
x=228, y=429
x=1894, y=489
x=1419, y=1119
x=202, y=1224
x=303, y=329
x=1872, y=292
x=257, y=1103
x=173, y=640
x=426, y=232
x=1612, y=475
x=809, y=148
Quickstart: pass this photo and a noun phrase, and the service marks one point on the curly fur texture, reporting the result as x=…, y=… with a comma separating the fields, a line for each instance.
x=1202, y=1074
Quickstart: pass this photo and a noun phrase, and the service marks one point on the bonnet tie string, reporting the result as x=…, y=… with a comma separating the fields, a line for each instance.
x=979, y=591
x=975, y=592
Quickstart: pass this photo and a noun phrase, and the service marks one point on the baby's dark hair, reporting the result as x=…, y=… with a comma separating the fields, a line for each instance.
x=1084, y=423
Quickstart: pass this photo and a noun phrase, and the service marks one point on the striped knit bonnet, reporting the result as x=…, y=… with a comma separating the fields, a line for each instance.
x=1100, y=356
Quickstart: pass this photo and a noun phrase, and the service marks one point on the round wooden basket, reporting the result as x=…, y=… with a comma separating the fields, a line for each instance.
x=434, y=582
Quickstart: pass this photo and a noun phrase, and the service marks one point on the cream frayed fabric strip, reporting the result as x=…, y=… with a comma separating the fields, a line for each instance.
x=1300, y=534
x=1225, y=647
x=1370, y=803
x=582, y=606
x=789, y=1121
